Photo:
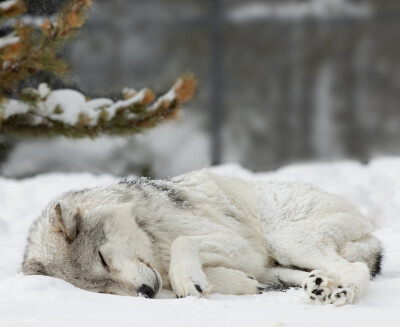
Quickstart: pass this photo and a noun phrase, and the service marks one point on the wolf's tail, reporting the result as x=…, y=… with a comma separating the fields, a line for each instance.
x=368, y=250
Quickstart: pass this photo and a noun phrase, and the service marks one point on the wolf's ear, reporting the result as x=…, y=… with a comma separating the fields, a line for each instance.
x=65, y=219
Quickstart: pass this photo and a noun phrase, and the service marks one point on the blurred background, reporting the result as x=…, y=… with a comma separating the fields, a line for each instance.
x=278, y=82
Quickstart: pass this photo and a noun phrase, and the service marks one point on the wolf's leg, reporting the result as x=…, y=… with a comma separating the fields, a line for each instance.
x=230, y=281
x=333, y=279
x=346, y=280
x=319, y=246
x=284, y=276
x=190, y=253
x=342, y=277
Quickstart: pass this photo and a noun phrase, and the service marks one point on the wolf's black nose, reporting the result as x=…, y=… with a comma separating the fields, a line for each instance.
x=147, y=291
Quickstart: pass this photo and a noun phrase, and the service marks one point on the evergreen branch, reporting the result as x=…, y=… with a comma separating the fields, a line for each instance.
x=37, y=47
x=42, y=112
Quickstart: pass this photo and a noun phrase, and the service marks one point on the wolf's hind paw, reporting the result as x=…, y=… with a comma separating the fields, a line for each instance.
x=323, y=289
x=318, y=287
x=342, y=295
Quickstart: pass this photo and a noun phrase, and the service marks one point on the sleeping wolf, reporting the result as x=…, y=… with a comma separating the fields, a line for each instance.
x=203, y=233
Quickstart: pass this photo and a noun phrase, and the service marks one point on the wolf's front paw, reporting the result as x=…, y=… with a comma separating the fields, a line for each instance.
x=318, y=287
x=189, y=285
x=231, y=281
x=250, y=285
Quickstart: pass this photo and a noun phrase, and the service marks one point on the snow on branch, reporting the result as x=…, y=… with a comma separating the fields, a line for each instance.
x=11, y=8
x=7, y=5
x=68, y=112
x=291, y=10
x=9, y=39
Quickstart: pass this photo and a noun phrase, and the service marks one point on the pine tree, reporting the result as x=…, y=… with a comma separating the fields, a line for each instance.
x=30, y=49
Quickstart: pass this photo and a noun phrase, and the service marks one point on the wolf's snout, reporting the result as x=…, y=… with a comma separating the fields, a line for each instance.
x=147, y=291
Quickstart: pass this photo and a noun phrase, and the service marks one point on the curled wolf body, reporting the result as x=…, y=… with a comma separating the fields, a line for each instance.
x=203, y=233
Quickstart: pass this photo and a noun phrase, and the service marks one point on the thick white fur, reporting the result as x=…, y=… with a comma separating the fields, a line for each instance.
x=229, y=236
x=301, y=226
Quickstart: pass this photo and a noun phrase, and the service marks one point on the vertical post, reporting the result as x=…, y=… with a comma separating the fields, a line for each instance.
x=216, y=97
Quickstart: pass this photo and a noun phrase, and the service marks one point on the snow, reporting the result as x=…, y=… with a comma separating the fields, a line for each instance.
x=137, y=98
x=45, y=301
x=12, y=107
x=70, y=102
x=6, y=5
x=8, y=40
x=290, y=10
x=43, y=90
x=167, y=97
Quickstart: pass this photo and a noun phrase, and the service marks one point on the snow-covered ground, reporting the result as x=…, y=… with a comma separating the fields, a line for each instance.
x=45, y=301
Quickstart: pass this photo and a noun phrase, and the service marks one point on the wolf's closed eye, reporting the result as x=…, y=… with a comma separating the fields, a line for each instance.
x=103, y=262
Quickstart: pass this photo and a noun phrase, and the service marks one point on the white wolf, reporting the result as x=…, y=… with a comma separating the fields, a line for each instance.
x=201, y=233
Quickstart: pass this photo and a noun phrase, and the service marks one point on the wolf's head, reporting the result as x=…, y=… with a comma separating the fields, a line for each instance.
x=98, y=247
